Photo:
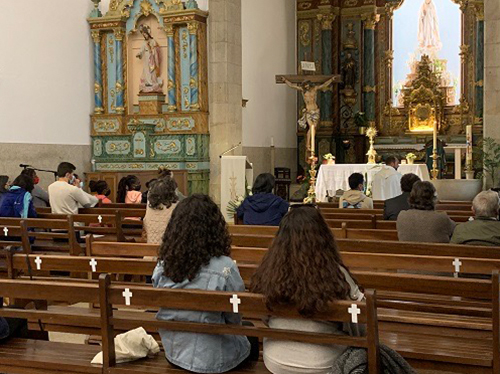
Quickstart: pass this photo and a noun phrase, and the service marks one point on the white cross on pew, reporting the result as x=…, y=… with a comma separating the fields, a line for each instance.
x=127, y=295
x=457, y=264
x=354, y=311
x=6, y=231
x=236, y=301
x=99, y=219
x=93, y=265
x=38, y=262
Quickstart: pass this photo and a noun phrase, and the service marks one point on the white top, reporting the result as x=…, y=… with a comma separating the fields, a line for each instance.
x=66, y=199
x=386, y=183
x=287, y=357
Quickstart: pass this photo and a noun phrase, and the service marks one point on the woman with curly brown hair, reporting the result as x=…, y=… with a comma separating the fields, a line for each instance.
x=195, y=255
x=303, y=270
x=422, y=223
x=162, y=201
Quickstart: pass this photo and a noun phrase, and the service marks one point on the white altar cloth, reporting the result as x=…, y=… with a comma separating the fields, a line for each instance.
x=335, y=177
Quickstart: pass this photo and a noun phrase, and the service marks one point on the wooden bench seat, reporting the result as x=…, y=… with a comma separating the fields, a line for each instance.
x=22, y=356
x=450, y=354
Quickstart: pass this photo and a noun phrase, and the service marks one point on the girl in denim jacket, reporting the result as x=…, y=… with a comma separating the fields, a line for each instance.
x=195, y=255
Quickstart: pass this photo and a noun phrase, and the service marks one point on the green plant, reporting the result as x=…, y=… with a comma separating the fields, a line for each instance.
x=360, y=119
x=488, y=151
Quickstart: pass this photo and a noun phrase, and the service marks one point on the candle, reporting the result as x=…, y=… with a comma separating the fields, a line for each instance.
x=272, y=141
x=469, y=146
x=435, y=137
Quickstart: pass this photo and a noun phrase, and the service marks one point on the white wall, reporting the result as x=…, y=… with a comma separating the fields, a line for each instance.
x=45, y=72
x=268, y=28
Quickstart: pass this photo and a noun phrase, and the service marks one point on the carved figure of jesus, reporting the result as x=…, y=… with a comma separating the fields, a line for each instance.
x=311, y=115
x=429, y=40
x=150, y=55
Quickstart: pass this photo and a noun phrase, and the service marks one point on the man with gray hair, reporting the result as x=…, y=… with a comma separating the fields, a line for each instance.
x=485, y=228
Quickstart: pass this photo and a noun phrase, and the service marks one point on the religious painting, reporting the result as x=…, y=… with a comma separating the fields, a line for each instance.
x=427, y=28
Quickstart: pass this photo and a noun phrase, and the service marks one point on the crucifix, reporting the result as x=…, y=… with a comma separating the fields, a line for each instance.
x=309, y=85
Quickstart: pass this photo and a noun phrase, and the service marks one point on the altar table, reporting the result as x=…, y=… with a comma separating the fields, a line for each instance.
x=335, y=177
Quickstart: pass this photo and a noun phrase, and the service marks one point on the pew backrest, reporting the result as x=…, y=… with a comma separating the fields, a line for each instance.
x=222, y=302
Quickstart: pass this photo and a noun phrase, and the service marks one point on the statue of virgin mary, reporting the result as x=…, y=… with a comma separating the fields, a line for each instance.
x=150, y=55
x=429, y=40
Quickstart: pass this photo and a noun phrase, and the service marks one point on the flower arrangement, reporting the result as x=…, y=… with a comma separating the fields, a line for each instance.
x=411, y=157
x=329, y=158
x=233, y=205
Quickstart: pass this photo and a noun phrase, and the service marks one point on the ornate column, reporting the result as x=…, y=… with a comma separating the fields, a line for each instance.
x=194, y=67
x=120, y=81
x=369, y=86
x=171, y=87
x=479, y=73
x=96, y=35
x=326, y=21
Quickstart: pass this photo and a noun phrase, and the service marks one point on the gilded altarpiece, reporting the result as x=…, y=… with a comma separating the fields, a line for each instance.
x=151, y=96
x=354, y=38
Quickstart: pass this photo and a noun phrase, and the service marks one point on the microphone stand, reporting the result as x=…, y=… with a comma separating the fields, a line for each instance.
x=42, y=170
x=230, y=150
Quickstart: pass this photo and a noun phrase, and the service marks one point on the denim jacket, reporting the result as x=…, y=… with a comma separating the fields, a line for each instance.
x=202, y=353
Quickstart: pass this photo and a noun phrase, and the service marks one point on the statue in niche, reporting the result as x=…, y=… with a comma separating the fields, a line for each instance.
x=349, y=71
x=429, y=40
x=151, y=59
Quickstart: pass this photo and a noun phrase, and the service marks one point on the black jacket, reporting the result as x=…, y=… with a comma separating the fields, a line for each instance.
x=394, y=206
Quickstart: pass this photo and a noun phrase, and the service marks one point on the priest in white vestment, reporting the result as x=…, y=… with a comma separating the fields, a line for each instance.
x=387, y=182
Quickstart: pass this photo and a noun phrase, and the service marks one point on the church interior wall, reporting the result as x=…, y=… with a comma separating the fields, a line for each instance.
x=268, y=40
x=46, y=85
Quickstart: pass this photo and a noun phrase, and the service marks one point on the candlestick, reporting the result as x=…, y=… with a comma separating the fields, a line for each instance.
x=435, y=170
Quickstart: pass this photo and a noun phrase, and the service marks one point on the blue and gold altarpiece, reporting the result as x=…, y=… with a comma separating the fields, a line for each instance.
x=133, y=131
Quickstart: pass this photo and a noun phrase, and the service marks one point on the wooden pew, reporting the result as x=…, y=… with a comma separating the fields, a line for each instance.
x=22, y=355
x=44, y=231
x=440, y=350
x=43, y=357
x=98, y=224
x=454, y=213
x=250, y=305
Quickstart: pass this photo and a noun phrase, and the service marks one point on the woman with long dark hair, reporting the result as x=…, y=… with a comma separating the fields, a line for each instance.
x=303, y=270
x=129, y=190
x=195, y=254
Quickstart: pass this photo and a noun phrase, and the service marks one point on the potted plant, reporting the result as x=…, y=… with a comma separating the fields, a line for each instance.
x=361, y=122
x=410, y=158
x=329, y=159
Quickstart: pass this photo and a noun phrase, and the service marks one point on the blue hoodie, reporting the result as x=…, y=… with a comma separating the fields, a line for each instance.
x=263, y=209
x=17, y=203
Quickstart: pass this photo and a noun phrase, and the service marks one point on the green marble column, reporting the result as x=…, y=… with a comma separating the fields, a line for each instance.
x=479, y=73
x=369, y=83
x=326, y=21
